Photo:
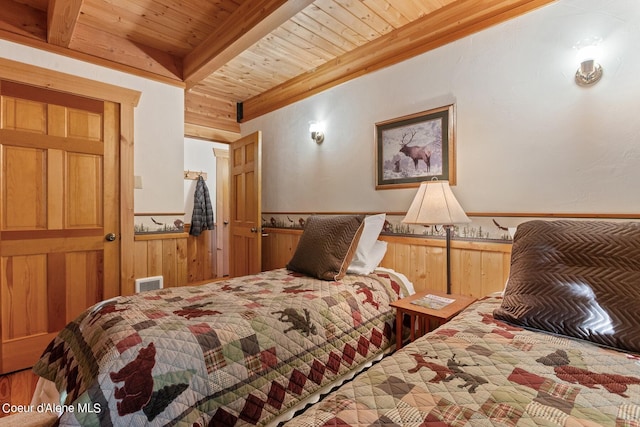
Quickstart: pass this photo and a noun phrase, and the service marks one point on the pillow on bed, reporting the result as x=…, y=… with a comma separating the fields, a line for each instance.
x=327, y=246
x=364, y=260
x=371, y=261
x=576, y=278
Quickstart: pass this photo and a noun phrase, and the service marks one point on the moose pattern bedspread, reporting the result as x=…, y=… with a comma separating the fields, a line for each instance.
x=476, y=371
x=238, y=352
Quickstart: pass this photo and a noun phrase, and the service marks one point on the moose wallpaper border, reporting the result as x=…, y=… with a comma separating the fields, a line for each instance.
x=415, y=148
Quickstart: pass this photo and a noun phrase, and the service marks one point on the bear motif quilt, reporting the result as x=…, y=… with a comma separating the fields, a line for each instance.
x=479, y=371
x=237, y=352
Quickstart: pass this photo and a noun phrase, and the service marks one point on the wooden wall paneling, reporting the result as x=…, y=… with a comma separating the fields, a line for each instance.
x=466, y=271
x=202, y=264
x=210, y=249
x=492, y=272
x=167, y=255
x=268, y=251
x=278, y=248
x=141, y=260
x=418, y=258
x=436, y=265
x=169, y=263
x=182, y=274
x=195, y=268
x=154, y=257
x=477, y=268
x=201, y=256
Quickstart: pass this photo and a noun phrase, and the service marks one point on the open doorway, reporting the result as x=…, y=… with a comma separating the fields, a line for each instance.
x=209, y=160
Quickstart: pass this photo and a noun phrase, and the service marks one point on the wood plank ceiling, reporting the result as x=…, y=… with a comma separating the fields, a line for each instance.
x=264, y=54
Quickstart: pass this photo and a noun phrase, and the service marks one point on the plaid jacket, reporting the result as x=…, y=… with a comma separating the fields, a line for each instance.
x=202, y=218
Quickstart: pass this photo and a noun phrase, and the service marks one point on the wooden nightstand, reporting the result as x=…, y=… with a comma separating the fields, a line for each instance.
x=425, y=315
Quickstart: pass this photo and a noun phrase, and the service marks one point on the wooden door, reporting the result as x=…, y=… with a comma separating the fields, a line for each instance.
x=59, y=188
x=246, y=206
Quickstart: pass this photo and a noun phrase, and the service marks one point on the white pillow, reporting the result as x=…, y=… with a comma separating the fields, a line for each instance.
x=368, y=251
x=372, y=260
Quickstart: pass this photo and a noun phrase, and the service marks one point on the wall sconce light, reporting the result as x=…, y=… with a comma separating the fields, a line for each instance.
x=317, y=132
x=590, y=72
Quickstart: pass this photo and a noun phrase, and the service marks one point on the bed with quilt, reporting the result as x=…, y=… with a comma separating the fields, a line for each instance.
x=560, y=346
x=245, y=351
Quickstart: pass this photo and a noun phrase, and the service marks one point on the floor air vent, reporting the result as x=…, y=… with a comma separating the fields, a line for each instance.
x=149, y=283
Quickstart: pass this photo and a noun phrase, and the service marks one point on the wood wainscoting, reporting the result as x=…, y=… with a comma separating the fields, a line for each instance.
x=180, y=258
x=477, y=268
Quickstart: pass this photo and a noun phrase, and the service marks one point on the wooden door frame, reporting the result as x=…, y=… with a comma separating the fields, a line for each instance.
x=127, y=99
x=222, y=211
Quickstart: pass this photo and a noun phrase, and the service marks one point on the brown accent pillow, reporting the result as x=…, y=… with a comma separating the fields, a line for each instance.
x=576, y=278
x=327, y=246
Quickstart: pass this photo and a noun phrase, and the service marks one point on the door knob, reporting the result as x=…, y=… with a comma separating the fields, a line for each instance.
x=110, y=237
x=254, y=230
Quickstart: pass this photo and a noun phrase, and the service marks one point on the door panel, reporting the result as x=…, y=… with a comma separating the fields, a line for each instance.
x=24, y=287
x=246, y=206
x=84, y=190
x=24, y=188
x=59, y=196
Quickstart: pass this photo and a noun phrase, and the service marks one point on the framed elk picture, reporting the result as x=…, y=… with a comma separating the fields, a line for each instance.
x=415, y=148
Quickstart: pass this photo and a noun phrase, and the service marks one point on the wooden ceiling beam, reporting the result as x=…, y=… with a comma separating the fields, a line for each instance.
x=28, y=26
x=106, y=46
x=23, y=21
x=62, y=17
x=443, y=26
x=209, y=133
x=248, y=24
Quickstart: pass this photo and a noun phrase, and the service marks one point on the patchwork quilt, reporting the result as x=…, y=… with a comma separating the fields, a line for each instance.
x=238, y=352
x=477, y=371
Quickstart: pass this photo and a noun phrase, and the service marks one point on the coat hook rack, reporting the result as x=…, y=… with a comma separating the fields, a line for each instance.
x=189, y=174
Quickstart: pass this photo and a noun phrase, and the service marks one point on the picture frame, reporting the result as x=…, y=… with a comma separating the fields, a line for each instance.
x=416, y=148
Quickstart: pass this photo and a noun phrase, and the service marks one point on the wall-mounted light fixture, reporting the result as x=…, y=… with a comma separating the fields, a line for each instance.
x=317, y=132
x=589, y=72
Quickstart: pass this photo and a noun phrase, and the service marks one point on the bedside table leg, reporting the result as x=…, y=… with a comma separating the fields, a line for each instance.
x=412, y=334
x=398, y=329
x=421, y=325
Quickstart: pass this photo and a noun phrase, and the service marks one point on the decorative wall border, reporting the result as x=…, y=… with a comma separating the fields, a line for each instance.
x=484, y=226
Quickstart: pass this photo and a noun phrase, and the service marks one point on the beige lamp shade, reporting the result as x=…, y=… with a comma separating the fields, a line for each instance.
x=435, y=204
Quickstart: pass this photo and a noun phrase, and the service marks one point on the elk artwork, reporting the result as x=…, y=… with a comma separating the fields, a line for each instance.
x=416, y=153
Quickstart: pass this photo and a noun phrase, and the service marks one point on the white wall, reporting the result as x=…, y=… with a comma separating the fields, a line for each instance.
x=158, y=130
x=528, y=138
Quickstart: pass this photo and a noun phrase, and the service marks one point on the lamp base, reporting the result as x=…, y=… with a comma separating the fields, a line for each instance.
x=448, y=230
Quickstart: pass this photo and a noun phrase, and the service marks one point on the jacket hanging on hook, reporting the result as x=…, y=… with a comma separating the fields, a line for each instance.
x=202, y=218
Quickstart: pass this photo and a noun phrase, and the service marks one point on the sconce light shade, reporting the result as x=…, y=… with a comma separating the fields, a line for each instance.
x=317, y=133
x=589, y=72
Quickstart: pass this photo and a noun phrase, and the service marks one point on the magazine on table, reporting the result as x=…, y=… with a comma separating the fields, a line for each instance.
x=433, y=302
